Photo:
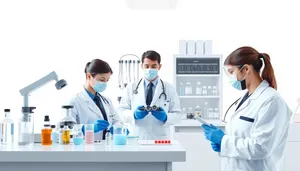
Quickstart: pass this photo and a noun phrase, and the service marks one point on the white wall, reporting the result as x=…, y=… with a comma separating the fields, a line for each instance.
x=37, y=37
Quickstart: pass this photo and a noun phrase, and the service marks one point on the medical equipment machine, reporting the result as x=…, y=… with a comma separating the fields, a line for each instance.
x=120, y=134
x=198, y=118
x=26, y=124
x=129, y=66
x=7, y=126
x=46, y=132
x=89, y=133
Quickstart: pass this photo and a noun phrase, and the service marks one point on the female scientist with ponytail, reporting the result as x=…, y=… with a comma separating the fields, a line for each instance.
x=90, y=107
x=257, y=123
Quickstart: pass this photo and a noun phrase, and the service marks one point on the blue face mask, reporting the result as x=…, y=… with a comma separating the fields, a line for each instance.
x=150, y=74
x=239, y=85
x=100, y=86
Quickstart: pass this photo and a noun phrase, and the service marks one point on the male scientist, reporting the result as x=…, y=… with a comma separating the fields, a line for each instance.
x=151, y=105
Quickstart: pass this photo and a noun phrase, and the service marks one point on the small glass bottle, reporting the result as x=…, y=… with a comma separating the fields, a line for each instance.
x=197, y=111
x=211, y=113
x=78, y=134
x=217, y=114
x=190, y=113
x=209, y=90
x=108, y=138
x=183, y=114
x=199, y=89
x=7, y=128
x=60, y=134
x=215, y=91
x=204, y=91
x=66, y=134
x=46, y=132
x=54, y=134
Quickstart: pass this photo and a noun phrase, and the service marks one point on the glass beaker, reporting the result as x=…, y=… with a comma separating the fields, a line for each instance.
x=89, y=133
x=26, y=130
x=120, y=134
x=78, y=134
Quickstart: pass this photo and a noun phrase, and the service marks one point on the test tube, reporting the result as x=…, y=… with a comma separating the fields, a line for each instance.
x=89, y=134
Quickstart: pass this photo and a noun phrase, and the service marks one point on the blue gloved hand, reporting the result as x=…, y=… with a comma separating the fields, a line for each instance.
x=100, y=125
x=216, y=147
x=140, y=114
x=213, y=133
x=160, y=114
x=111, y=130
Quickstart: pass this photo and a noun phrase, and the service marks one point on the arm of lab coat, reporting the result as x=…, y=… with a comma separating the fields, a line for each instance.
x=116, y=117
x=124, y=109
x=268, y=132
x=174, y=113
x=74, y=112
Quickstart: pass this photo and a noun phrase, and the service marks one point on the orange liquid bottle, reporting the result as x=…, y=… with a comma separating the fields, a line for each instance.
x=46, y=132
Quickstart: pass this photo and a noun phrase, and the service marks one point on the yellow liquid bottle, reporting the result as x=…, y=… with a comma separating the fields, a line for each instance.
x=66, y=135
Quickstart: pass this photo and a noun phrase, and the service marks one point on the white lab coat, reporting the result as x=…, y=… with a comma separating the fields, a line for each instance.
x=85, y=111
x=257, y=141
x=149, y=127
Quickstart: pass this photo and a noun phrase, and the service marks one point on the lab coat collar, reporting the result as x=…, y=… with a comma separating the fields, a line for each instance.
x=90, y=103
x=263, y=85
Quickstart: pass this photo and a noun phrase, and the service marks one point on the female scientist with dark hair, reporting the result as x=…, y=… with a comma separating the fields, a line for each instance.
x=90, y=107
x=257, y=125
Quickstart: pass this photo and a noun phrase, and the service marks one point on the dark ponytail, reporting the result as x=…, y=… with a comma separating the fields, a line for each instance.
x=248, y=55
x=97, y=66
x=268, y=72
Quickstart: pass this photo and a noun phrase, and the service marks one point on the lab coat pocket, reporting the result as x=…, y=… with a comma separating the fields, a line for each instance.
x=165, y=106
x=244, y=118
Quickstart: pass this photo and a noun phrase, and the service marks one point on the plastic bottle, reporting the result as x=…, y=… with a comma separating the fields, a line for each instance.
x=54, y=134
x=199, y=89
x=183, y=114
x=108, y=138
x=216, y=113
x=209, y=90
x=46, y=132
x=215, y=91
x=7, y=126
x=197, y=111
x=188, y=88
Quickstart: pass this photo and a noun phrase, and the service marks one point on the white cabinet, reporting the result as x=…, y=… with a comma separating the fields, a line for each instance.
x=199, y=155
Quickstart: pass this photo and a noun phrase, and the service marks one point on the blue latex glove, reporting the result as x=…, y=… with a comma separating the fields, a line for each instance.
x=140, y=114
x=216, y=147
x=213, y=133
x=160, y=114
x=111, y=130
x=100, y=125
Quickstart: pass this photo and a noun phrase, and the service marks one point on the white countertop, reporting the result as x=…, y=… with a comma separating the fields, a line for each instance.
x=92, y=153
x=195, y=123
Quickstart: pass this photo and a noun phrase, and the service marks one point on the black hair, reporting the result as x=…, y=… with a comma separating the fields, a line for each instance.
x=97, y=66
x=151, y=54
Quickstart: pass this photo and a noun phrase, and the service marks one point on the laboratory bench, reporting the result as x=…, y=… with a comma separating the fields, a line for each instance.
x=98, y=157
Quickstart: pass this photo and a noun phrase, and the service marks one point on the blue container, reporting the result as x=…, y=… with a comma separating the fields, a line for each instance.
x=77, y=141
x=119, y=139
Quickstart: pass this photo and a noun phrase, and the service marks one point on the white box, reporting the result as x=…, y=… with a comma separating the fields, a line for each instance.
x=208, y=47
x=182, y=47
x=191, y=47
x=199, y=47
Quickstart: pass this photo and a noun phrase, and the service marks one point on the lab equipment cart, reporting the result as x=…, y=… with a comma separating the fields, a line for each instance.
x=198, y=82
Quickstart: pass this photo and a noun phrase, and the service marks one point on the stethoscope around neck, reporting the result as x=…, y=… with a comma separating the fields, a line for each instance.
x=161, y=94
x=233, y=104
